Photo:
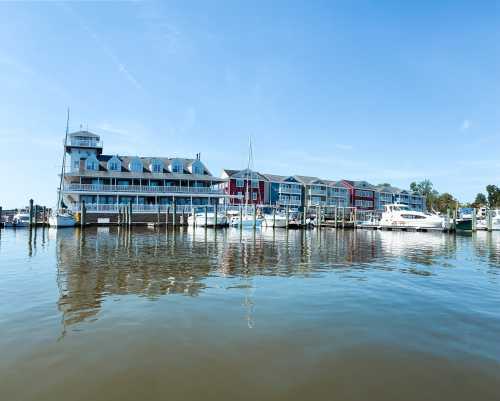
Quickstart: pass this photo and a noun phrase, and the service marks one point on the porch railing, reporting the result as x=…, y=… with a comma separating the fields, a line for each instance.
x=142, y=189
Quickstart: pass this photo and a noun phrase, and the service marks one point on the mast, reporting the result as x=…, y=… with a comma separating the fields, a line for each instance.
x=63, y=166
x=249, y=172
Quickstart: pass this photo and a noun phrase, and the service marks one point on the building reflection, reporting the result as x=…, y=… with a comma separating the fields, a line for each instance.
x=97, y=263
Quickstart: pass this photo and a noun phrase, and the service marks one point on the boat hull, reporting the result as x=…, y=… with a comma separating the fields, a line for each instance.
x=463, y=225
x=279, y=222
x=61, y=221
x=200, y=220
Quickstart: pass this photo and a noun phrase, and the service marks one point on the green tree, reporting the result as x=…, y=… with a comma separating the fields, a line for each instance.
x=493, y=195
x=444, y=202
x=480, y=200
x=425, y=188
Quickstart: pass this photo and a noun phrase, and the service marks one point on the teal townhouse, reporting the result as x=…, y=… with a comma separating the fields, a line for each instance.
x=387, y=194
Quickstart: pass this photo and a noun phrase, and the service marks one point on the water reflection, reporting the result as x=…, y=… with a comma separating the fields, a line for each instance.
x=96, y=263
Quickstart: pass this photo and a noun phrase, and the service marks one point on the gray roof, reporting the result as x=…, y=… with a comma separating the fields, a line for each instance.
x=304, y=179
x=84, y=133
x=146, y=161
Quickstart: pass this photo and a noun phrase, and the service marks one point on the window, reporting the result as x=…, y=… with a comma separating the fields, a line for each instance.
x=240, y=183
x=156, y=166
x=197, y=168
x=177, y=166
x=255, y=183
x=114, y=164
x=91, y=164
x=254, y=196
x=135, y=166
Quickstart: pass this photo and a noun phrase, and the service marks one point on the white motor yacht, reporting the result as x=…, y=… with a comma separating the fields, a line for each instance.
x=398, y=215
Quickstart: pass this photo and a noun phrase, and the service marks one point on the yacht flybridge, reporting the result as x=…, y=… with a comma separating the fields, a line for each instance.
x=398, y=215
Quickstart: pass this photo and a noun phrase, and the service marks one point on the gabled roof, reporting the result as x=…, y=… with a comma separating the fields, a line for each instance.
x=359, y=184
x=146, y=161
x=387, y=189
x=242, y=173
x=281, y=178
x=306, y=180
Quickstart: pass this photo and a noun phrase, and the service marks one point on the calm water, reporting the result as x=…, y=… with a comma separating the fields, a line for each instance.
x=110, y=314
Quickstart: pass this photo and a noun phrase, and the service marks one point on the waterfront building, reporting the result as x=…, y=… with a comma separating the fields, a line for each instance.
x=284, y=191
x=361, y=194
x=245, y=186
x=319, y=192
x=387, y=194
x=106, y=181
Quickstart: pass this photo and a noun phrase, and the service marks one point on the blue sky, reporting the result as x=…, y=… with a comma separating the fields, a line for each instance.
x=387, y=91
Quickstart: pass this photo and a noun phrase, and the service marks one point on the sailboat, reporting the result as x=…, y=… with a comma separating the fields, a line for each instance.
x=247, y=218
x=60, y=217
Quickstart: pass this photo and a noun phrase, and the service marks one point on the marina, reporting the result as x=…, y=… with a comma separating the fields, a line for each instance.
x=125, y=313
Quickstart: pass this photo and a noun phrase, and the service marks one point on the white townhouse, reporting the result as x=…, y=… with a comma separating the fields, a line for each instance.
x=105, y=182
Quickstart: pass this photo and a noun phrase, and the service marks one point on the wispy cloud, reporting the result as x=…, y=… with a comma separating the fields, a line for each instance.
x=120, y=66
x=466, y=124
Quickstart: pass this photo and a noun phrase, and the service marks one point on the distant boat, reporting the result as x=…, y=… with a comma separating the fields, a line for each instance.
x=19, y=220
x=59, y=216
x=399, y=215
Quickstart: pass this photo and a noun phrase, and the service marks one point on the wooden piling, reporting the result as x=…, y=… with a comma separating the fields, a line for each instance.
x=241, y=216
x=474, y=220
x=83, y=216
x=254, y=216
x=31, y=213
x=0, y=215
x=44, y=215
x=174, y=213
x=287, y=216
x=335, y=216
x=206, y=216
x=489, y=221
x=158, y=215
x=343, y=217
x=274, y=217
x=130, y=213
x=119, y=216
x=215, y=215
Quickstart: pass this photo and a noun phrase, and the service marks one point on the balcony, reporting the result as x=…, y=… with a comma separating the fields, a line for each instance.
x=141, y=189
x=86, y=143
x=290, y=202
x=316, y=191
x=115, y=208
x=289, y=190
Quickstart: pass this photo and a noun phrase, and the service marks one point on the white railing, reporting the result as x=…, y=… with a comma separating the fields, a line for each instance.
x=114, y=208
x=284, y=190
x=141, y=189
x=317, y=191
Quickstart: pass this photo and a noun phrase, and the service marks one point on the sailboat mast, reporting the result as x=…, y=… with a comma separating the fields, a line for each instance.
x=63, y=166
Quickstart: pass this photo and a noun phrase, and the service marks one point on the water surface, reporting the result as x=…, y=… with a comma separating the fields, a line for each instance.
x=142, y=314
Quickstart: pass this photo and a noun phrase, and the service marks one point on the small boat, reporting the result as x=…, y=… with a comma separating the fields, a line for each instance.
x=495, y=221
x=19, y=220
x=207, y=219
x=62, y=219
x=277, y=221
x=463, y=224
x=399, y=215
x=247, y=220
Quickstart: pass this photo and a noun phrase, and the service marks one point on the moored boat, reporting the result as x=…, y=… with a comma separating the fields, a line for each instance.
x=399, y=215
x=61, y=219
x=207, y=220
x=19, y=220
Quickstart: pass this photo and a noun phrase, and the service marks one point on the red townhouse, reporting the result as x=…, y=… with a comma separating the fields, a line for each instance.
x=361, y=194
x=245, y=186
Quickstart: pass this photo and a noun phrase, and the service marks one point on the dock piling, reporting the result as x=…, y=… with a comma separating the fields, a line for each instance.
x=474, y=220
x=31, y=213
x=254, y=216
x=83, y=216
x=174, y=212
x=215, y=214
x=489, y=223
x=130, y=213
x=287, y=221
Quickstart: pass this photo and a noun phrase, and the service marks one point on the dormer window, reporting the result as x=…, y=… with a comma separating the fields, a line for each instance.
x=91, y=164
x=156, y=166
x=135, y=165
x=197, y=168
x=177, y=166
x=114, y=164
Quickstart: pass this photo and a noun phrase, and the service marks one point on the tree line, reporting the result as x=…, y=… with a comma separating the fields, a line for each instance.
x=443, y=202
